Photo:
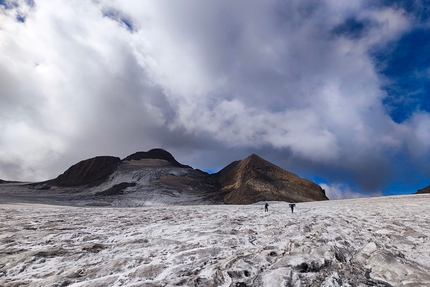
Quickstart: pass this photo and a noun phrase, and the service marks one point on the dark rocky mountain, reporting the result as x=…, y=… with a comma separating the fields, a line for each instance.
x=255, y=179
x=95, y=170
x=424, y=190
x=88, y=172
x=156, y=153
x=156, y=178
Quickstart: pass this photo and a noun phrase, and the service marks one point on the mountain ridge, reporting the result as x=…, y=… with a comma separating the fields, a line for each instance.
x=155, y=177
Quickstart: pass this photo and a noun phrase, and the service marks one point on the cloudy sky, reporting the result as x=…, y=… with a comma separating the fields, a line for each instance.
x=335, y=91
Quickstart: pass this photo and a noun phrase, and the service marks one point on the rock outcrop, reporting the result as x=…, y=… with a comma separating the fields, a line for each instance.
x=424, y=190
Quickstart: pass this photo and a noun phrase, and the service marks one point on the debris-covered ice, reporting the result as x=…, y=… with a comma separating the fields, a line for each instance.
x=362, y=242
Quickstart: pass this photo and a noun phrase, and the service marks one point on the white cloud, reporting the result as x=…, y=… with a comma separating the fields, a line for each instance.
x=418, y=134
x=337, y=191
x=80, y=82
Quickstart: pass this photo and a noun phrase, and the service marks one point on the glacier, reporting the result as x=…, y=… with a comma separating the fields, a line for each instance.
x=379, y=241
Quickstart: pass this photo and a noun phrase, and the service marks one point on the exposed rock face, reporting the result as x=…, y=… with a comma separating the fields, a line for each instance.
x=255, y=179
x=91, y=171
x=424, y=190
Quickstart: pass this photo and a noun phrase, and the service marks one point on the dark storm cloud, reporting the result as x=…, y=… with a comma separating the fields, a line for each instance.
x=211, y=82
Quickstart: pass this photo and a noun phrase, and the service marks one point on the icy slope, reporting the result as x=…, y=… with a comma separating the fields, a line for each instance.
x=156, y=182
x=135, y=183
x=362, y=242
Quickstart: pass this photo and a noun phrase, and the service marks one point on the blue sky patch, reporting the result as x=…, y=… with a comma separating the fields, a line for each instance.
x=352, y=28
x=20, y=18
x=121, y=18
x=8, y=4
x=401, y=187
x=406, y=65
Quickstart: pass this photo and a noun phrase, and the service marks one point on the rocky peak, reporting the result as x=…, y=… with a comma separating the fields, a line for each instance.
x=156, y=153
x=255, y=179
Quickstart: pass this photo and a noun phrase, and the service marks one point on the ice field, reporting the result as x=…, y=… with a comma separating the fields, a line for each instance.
x=380, y=241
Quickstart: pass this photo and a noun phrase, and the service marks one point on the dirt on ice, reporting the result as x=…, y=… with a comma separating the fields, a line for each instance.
x=380, y=241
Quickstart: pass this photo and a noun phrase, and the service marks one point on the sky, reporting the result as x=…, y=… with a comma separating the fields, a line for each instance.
x=334, y=91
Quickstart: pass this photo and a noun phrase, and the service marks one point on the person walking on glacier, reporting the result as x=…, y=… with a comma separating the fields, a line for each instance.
x=292, y=205
x=266, y=207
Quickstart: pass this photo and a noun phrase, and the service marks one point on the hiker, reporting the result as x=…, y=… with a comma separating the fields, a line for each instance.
x=266, y=207
x=292, y=205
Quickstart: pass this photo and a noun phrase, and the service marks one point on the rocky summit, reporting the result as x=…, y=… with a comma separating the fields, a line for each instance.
x=255, y=179
x=155, y=177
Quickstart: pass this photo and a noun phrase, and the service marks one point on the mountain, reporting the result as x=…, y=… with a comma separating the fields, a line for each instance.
x=255, y=179
x=424, y=190
x=91, y=171
x=143, y=178
x=155, y=177
x=98, y=169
